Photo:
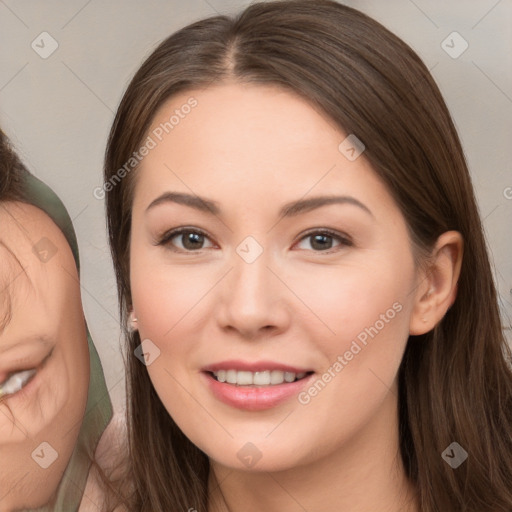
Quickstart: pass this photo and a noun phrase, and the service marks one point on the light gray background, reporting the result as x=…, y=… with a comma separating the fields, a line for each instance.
x=58, y=110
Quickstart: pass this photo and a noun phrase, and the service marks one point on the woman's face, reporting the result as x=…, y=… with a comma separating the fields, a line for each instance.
x=253, y=292
x=44, y=360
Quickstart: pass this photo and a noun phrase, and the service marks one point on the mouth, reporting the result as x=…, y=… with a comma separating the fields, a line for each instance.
x=16, y=381
x=255, y=386
x=257, y=379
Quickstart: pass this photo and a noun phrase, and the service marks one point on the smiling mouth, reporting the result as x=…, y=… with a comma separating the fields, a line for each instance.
x=263, y=378
x=16, y=382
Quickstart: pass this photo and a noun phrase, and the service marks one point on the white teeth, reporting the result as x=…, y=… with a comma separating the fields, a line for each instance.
x=261, y=378
x=244, y=378
x=264, y=378
x=16, y=382
x=276, y=377
x=231, y=376
x=289, y=376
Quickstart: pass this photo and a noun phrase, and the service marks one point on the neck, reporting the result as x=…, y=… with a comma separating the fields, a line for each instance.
x=364, y=475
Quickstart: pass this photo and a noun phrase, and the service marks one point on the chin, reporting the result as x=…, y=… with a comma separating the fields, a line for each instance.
x=258, y=455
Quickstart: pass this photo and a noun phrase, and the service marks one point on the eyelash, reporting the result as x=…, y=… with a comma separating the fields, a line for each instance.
x=165, y=239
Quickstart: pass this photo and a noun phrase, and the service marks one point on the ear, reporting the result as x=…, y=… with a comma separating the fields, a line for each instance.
x=437, y=284
x=132, y=321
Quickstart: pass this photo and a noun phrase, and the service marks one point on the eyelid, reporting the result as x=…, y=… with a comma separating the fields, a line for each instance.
x=164, y=240
x=343, y=238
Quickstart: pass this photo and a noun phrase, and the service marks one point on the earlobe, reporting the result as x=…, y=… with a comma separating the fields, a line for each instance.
x=438, y=285
x=132, y=321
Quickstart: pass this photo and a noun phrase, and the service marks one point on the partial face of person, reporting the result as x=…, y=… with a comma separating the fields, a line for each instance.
x=272, y=278
x=44, y=360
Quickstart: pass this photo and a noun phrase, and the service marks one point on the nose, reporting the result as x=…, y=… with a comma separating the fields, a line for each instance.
x=253, y=300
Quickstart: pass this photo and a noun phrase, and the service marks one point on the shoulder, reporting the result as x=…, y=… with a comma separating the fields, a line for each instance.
x=112, y=445
x=109, y=462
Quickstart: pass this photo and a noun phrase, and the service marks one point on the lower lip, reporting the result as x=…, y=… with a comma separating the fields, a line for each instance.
x=254, y=398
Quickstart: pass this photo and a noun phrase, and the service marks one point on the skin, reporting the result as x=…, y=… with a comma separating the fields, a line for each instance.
x=110, y=456
x=46, y=304
x=253, y=148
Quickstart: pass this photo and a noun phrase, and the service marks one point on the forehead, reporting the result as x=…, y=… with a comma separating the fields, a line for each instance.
x=233, y=117
x=241, y=134
x=250, y=144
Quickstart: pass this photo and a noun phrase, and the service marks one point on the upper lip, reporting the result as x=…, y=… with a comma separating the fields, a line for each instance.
x=256, y=366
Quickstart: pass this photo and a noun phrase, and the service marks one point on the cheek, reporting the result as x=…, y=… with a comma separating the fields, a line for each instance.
x=350, y=302
x=166, y=298
x=367, y=310
x=167, y=301
x=73, y=366
x=364, y=312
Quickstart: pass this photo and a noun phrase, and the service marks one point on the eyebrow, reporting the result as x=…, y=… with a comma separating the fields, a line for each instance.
x=288, y=210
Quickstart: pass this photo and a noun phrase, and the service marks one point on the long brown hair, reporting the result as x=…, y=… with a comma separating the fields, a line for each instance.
x=455, y=383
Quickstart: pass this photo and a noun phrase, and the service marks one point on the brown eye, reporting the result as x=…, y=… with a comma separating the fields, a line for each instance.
x=321, y=241
x=184, y=239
